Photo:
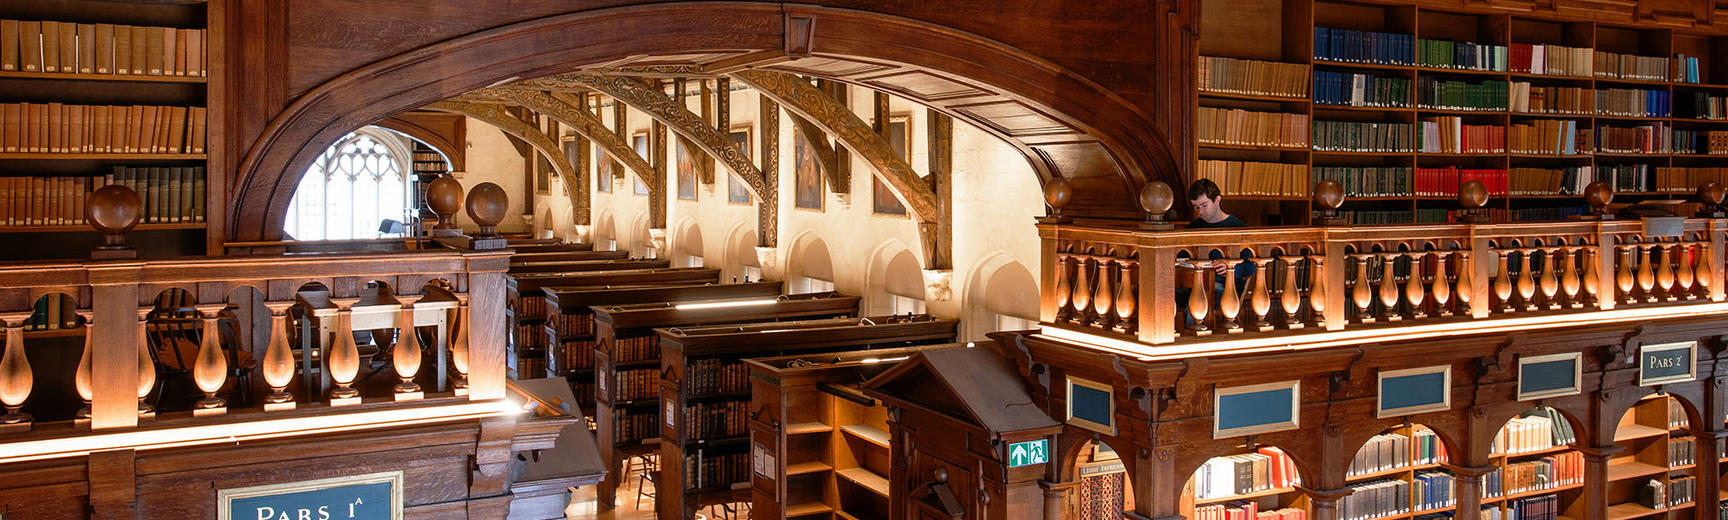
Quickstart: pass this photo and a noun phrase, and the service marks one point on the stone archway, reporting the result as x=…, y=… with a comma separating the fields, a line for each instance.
x=1064, y=124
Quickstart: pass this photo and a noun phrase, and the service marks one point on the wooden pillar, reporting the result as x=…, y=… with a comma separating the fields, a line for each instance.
x=1467, y=489
x=1323, y=504
x=115, y=365
x=1716, y=262
x=1157, y=295
x=1056, y=498
x=768, y=208
x=1482, y=257
x=1333, y=272
x=1606, y=287
x=486, y=334
x=1596, y=476
x=1048, y=270
x=113, y=485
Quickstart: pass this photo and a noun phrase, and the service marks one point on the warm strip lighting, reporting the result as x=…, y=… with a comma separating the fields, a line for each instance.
x=872, y=361
x=1257, y=345
x=725, y=304
x=252, y=430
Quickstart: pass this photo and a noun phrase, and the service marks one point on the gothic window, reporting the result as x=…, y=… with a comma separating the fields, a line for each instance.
x=352, y=189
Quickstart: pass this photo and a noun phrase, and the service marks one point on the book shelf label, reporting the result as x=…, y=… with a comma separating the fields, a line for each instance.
x=762, y=461
x=1415, y=390
x=1667, y=363
x=1091, y=405
x=1252, y=409
x=374, y=496
x=1028, y=453
x=671, y=414
x=1552, y=375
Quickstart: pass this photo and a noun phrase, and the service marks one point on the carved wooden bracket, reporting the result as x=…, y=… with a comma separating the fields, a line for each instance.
x=496, y=116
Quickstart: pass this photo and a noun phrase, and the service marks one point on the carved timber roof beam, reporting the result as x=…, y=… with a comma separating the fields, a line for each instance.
x=811, y=103
x=583, y=122
x=688, y=125
x=496, y=116
x=839, y=178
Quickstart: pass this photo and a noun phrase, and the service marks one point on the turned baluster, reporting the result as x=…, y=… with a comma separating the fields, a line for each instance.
x=1570, y=282
x=343, y=363
x=405, y=354
x=1317, y=290
x=1291, y=298
x=1466, y=289
x=1198, y=298
x=1262, y=299
x=1664, y=270
x=1105, y=293
x=1064, y=289
x=210, y=369
x=1623, y=278
x=1389, y=285
x=1592, y=275
x=459, y=346
x=1683, y=274
x=1502, y=281
x=1439, y=287
x=1230, y=305
x=16, y=379
x=146, y=364
x=1702, y=272
x=278, y=367
x=1646, y=271
x=1413, y=285
x=1082, y=290
x=1550, y=280
x=81, y=379
x=1359, y=293
x=1527, y=280
x=1126, y=295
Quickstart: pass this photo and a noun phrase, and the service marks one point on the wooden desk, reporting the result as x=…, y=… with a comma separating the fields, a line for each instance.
x=373, y=312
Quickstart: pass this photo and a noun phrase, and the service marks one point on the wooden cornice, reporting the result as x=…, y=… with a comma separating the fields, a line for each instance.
x=806, y=101
x=688, y=125
x=496, y=116
x=583, y=122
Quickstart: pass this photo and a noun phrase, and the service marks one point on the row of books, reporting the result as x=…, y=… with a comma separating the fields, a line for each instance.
x=1700, y=105
x=529, y=307
x=168, y=195
x=1461, y=95
x=1432, y=490
x=717, y=376
x=1544, y=507
x=631, y=426
x=1633, y=102
x=1256, y=178
x=1383, y=452
x=1645, y=138
x=1429, y=449
x=583, y=390
x=1531, y=99
x=702, y=471
x=53, y=311
x=1350, y=46
x=1550, y=181
x=100, y=48
x=1266, y=469
x=715, y=420
x=1379, y=217
x=528, y=362
x=1237, y=510
x=529, y=336
x=578, y=354
x=61, y=128
x=1448, y=54
x=1700, y=141
x=567, y=325
x=1434, y=216
x=1558, y=470
x=1252, y=77
x=1370, y=181
x=637, y=348
x=1375, y=499
x=1449, y=134
x=1357, y=136
x=1686, y=69
x=1640, y=178
x=1360, y=89
x=1550, y=137
x=1239, y=127
x=1447, y=180
x=1676, y=414
x=1681, y=490
x=1630, y=66
x=642, y=383
x=1536, y=430
x=1682, y=451
x=1550, y=60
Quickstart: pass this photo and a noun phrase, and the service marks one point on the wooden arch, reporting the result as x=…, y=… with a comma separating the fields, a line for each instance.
x=1065, y=124
x=495, y=116
x=448, y=140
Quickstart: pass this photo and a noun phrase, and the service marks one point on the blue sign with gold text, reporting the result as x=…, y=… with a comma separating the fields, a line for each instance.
x=376, y=496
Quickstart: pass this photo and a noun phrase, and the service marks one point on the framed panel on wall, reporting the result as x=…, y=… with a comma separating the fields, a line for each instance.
x=736, y=191
x=604, y=167
x=639, y=142
x=1252, y=409
x=1091, y=405
x=1552, y=375
x=686, y=171
x=883, y=201
x=806, y=174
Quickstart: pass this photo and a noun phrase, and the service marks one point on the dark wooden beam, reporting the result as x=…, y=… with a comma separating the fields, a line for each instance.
x=768, y=204
x=938, y=242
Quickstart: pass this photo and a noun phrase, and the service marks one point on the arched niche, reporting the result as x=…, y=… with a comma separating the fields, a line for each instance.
x=809, y=268
x=687, y=249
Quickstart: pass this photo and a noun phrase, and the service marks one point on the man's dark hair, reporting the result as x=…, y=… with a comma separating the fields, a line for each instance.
x=1203, y=187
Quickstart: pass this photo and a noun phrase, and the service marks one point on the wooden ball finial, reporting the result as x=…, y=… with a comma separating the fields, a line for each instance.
x=444, y=197
x=487, y=204
x=1057, y=194
x=1710, y=197
x=1473, y=195
x=1328, y=196
x=1156, y=199
x=114, y=210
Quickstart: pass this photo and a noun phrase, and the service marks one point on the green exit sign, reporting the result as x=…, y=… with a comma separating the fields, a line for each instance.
x=1028, y=453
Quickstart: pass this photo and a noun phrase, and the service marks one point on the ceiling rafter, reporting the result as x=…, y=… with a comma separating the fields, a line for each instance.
x=582, y=122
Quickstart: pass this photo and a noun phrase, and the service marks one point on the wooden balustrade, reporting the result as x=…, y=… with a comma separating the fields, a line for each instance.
x=116, y=374
x=1156, y=286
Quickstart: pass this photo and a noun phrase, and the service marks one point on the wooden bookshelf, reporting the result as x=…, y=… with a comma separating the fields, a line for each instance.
x=628, y=408
x=569, y=321
x=1266, y=495
x=707, y=372
x=1283, y=31
x=1654, y=448
x=1410, y=457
